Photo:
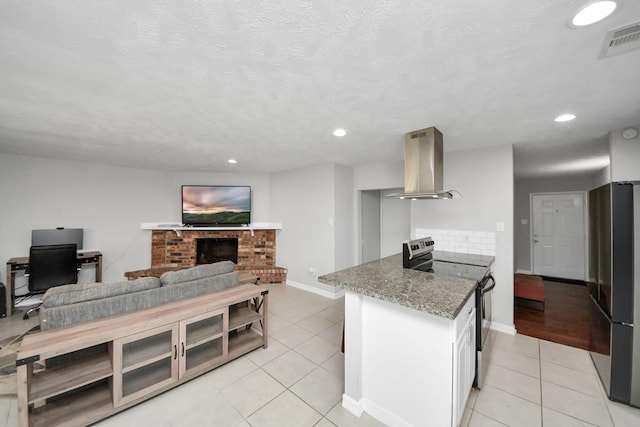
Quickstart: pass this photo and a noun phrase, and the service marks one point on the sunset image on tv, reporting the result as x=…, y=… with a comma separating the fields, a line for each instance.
x=216, y=205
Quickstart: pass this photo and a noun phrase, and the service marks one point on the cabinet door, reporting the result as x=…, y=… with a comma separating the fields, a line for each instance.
x=144, y=362
x=203, y=341
x=460, y=375
x=464, y=366
x=471, y=357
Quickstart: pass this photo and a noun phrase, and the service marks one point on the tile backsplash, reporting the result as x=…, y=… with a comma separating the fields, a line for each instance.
x=469, y=242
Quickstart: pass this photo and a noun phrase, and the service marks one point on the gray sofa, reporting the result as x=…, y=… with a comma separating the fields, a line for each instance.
x=70, y=304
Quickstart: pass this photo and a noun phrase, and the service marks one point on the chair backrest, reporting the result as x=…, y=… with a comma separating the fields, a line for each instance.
x=52, y=265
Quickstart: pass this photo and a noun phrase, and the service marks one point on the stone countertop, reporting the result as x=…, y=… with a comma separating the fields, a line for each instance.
x=386, y=280
x=462, y=258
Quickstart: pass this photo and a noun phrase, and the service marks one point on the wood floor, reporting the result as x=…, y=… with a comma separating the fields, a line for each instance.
x=567, y=319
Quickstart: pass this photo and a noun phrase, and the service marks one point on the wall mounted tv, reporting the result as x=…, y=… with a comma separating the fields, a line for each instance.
x=216, y=205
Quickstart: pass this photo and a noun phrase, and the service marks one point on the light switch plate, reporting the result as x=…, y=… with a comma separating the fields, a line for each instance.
x=500, y=226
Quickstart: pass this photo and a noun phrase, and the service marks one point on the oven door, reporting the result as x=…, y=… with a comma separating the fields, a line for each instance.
x=484, y=310
x=483, y=328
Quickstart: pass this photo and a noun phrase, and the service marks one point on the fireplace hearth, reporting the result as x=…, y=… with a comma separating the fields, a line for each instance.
x=216, y=249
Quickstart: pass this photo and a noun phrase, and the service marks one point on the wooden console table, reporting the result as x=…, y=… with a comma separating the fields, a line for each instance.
x=135, y=355
x=17, y=264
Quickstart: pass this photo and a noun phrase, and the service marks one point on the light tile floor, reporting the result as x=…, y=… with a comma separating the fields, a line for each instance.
x=298, y=381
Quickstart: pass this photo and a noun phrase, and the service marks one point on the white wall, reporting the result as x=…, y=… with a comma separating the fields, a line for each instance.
x=343, y=219
x=485, y=179
x=625, y=156
x=109, y=202
x=304, y=201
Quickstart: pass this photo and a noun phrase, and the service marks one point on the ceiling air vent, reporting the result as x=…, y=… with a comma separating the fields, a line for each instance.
x=622, y=40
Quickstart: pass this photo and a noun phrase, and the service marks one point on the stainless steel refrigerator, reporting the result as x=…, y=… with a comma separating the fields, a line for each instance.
x=612, y=285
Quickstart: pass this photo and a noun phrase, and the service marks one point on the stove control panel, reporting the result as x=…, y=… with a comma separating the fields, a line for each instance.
x=417, y=247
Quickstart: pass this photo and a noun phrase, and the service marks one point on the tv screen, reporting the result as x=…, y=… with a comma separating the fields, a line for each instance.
x=216, y=205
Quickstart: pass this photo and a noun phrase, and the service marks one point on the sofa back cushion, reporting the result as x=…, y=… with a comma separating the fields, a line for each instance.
x=71, y=294
x=197, y=287
x=198, y=272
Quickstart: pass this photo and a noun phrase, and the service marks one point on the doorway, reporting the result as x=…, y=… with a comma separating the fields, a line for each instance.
x=558, y=235
x=384, y=224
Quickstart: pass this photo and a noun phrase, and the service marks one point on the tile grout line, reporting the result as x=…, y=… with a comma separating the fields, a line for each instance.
x=540, y=373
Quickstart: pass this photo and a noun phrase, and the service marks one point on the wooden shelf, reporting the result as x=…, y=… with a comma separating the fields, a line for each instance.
x=203, y=331
x=55, y=381
x=242, y=317
x=150, y=374
x=71, y=411
x=207, y=353
x=243, y=342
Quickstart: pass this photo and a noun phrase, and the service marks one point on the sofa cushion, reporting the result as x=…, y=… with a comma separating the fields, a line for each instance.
x=197, y=287
x=71, y=294
x=196, y=273
x=84, y=311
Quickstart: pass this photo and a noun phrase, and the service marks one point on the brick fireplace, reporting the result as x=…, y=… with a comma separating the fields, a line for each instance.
x=256, y=251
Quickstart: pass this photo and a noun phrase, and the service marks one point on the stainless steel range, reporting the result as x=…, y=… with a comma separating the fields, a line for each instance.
x=419, y=254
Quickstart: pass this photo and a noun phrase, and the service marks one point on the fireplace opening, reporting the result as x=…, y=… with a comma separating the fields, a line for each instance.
x=217, y=249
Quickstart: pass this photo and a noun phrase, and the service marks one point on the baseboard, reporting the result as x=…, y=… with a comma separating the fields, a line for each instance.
x=505, y=329
x=562, y=280
x=383, y=415
x=523, y=271
x=356, y=407
x=335, y=294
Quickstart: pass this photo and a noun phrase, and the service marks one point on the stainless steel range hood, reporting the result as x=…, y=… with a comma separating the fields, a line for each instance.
x=423, y=166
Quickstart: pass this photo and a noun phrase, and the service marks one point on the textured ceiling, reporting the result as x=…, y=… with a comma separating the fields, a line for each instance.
x=185, y=85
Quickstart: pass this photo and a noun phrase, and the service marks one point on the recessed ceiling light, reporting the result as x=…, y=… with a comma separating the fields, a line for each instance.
x=232, y=161
x=593, y=12
x=564, y=118
x=339, y=132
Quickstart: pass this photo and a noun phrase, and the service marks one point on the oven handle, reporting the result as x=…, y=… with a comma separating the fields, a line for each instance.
x=490, y=288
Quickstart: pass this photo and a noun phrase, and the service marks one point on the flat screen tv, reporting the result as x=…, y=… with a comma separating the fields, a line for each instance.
x=216, y=205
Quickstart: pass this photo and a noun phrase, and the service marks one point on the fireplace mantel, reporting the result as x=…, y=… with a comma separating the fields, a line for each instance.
x=176, y=226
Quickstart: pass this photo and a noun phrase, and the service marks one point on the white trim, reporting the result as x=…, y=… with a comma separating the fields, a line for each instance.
x=356, y=407
x=337, y=293
x=172, y=225
x=518, y=271
x=384, y=416
x=506, y=329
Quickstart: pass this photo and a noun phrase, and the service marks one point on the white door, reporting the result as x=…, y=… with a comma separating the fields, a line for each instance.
x=558, y=238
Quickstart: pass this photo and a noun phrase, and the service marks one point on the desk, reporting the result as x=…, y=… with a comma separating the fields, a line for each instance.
x=17, y=264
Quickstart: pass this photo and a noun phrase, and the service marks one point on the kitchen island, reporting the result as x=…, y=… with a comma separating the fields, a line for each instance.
x=409, y=343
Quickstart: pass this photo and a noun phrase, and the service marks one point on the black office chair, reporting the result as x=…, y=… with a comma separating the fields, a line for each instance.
x=49, y=266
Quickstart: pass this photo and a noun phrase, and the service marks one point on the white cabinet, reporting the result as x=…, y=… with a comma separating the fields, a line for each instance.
x=431, y=357
x=464, y=362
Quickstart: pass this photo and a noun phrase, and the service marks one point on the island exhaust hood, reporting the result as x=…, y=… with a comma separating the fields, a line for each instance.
x=423, y=166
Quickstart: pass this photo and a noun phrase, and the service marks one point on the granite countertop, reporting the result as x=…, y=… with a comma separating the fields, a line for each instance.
x=386, y=280
x=462, y=258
